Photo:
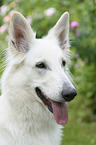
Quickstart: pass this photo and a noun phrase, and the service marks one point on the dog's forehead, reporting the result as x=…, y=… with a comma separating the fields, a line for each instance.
x=46, y=49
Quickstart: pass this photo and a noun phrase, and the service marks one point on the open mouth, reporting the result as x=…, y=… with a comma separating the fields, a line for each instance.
x=58, y=109
x=45, y=100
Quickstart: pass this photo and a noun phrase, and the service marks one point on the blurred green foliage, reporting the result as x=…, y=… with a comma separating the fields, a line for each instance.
x=83, y=44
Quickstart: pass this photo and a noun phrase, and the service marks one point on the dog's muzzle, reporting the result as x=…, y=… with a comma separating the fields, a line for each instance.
x=69, y=95
x=45, y=99
x=58, y=109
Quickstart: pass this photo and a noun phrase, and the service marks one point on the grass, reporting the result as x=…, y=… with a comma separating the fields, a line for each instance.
x=77, y=132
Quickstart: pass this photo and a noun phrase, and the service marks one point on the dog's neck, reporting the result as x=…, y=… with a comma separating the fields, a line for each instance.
x=26, y=114
x=32, y=124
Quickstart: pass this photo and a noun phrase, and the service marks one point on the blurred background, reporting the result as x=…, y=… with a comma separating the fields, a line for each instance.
x=42, y=15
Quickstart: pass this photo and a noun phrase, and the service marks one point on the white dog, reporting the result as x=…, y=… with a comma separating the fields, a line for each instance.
x=35, y=85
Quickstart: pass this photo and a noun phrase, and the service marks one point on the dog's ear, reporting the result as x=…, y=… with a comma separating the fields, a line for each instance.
x=20, y=33
x=61, y=31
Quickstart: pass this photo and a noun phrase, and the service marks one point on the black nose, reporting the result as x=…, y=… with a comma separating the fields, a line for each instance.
x=69, y=95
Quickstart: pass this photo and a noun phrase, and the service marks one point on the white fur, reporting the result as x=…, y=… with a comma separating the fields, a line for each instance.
x=23, y=118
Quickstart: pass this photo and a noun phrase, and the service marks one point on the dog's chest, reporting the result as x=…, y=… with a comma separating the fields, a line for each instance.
x=35, y=138
x=33, y=135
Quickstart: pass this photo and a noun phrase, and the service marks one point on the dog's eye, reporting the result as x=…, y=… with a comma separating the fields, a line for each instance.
x=63, y=63
x=41, y=65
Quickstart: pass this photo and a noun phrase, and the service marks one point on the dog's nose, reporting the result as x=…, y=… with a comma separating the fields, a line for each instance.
x=69, y=95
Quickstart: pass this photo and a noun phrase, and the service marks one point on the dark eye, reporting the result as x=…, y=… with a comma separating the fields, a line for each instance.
x=63, y=63
x=41, y=65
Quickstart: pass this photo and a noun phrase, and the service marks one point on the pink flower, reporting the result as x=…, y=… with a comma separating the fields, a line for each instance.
x=74, y=24
x=4, y=9
x=49, y=12
x=11, y=12
x=3, y=29
x=12, y=4
x=6, y=19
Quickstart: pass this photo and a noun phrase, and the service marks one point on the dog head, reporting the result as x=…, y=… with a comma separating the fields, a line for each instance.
x=41, y=65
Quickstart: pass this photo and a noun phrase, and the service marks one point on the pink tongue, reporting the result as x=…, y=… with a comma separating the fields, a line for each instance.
x=60, y=112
